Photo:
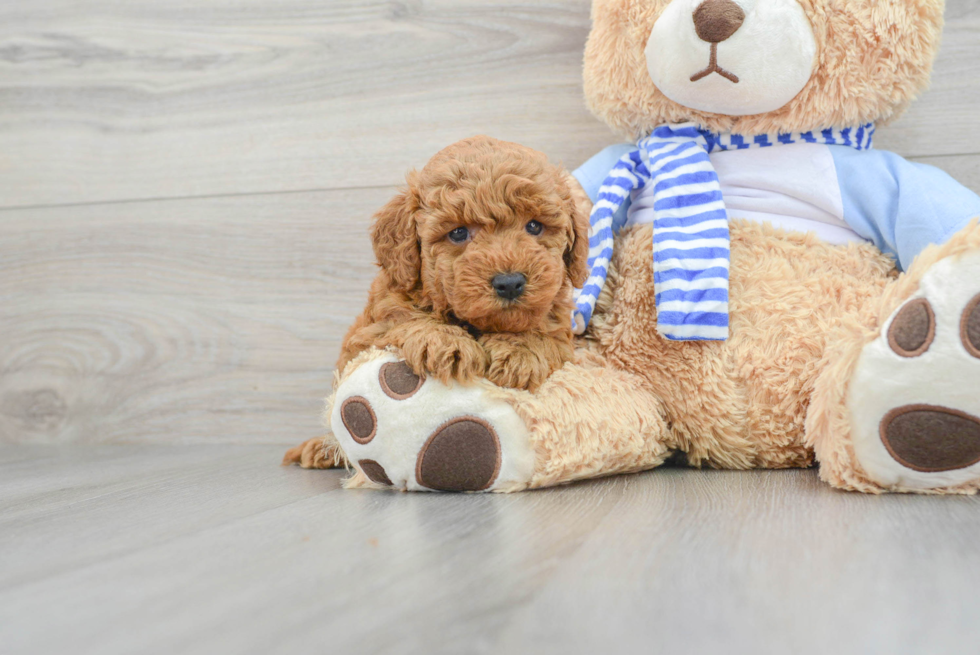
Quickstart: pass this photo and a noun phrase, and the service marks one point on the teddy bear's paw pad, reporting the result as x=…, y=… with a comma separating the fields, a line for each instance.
x=911, y=433
x=404, y=431
x=463, y=455
x=914, y=399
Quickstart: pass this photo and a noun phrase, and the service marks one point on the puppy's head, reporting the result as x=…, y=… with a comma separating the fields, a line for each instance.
x=488, y=231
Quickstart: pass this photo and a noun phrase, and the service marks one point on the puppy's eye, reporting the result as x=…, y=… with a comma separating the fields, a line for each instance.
x=534, y=228
x=459, y=235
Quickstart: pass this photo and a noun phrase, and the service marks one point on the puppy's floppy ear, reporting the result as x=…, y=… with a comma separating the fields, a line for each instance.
x=577, y=253
x=395, y=237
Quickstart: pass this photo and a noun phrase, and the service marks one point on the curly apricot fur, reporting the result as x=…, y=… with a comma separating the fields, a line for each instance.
x=432, y=295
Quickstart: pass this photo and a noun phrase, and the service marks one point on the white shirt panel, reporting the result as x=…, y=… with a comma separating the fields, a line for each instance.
x=794, y=187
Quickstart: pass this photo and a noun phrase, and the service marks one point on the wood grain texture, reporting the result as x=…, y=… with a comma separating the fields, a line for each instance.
x=184, y=320
x=164, y=274
x=200, y=549
x=103, y=101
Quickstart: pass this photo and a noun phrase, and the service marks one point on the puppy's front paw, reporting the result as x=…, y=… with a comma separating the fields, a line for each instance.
x=320, y=453
x=517, y=364
x=445, y=355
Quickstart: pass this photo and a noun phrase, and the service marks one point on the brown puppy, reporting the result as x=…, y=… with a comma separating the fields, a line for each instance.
x=478, y=256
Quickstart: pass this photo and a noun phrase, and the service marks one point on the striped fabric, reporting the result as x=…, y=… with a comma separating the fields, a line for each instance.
x=691, y=245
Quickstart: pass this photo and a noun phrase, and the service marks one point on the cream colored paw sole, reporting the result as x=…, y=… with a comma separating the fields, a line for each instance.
x=915, y=411
x=416, y=434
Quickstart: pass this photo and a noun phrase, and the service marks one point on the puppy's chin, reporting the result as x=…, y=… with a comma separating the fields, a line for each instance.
x=488, y=313
x=512, y=318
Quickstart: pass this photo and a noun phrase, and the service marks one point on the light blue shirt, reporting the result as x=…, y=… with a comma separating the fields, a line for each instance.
x=899, y=206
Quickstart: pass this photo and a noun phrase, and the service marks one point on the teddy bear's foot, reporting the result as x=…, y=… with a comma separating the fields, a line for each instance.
x=914, y=398
x=404, y=432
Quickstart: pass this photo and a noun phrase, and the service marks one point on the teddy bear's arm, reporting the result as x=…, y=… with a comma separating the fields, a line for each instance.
x=901, y=206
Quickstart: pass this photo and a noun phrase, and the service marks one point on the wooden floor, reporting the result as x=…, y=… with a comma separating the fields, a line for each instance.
x=184, y=194
x=212, y=549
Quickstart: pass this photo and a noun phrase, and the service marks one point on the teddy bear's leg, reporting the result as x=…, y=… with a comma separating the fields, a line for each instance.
x=897, y=407
x=590, y=420
x=405, y=432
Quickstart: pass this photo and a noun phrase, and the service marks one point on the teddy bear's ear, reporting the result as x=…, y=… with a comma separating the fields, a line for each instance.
x=394, y=235
x=577, y=252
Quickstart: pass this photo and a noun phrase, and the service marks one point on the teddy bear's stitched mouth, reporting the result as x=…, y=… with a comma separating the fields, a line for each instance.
x=713, y=67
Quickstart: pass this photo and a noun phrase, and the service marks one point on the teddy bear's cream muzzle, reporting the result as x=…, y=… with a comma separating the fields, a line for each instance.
x=732, y=57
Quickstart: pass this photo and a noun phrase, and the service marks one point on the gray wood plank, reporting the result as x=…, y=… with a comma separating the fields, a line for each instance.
x=764, y=563
x=105, y=101
x=132, y=498
x=254, y=558
x=201, y=320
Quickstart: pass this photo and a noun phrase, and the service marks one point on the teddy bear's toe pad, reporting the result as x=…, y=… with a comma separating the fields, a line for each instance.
x=374, y=472
x=970, y=327
x=359, y=419
x=914, y=398
x=407, y=432
x=399, y=381
x=914, y=329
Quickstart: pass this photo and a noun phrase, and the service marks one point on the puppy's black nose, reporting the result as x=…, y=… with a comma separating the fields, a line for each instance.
x=509, y=286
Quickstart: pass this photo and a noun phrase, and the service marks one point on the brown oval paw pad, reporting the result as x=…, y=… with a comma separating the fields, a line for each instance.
x=931, y=439
x=970, y=327
x=399, y=381
x=374, y=472
x=913, y=330
x=359, y=419
x=462, y=455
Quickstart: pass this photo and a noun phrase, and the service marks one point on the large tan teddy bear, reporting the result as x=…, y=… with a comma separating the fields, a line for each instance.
x=804, y=316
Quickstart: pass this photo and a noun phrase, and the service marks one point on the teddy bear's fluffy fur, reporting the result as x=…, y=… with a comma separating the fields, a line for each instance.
x=738, y=405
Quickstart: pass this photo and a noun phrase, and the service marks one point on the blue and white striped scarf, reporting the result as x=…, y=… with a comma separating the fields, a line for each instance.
x=691, y=243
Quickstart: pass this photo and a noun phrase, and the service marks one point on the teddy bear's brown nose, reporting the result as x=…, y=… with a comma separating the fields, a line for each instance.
x=716, y=20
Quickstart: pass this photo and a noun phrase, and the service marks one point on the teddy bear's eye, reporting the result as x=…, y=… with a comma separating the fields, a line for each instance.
x=459, y=235
x=534, y=228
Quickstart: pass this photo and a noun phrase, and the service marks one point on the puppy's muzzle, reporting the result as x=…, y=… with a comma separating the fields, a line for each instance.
x=509, y=286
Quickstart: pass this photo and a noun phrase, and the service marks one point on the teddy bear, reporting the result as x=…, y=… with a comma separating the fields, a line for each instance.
x=767, y=290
